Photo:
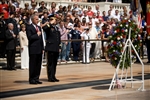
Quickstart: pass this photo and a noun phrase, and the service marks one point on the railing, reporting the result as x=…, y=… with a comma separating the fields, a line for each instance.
x=85, y=41
x=104, y=6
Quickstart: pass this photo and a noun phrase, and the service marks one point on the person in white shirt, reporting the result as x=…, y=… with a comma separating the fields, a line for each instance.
x=109, y=15
x=94, y=19
x=85, y=16
x=24, y=48
x=112, y=10
x=86, y=46
x=93, y=35
x=116, y=16
x=97, y=10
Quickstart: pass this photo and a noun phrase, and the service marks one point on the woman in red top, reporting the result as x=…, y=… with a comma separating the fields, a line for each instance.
x=90, y=12
x=99, y=16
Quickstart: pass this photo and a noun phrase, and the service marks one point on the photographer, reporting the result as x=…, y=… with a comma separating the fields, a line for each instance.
x=86, y=46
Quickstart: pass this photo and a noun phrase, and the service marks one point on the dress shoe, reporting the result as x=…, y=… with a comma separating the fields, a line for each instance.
x=137, y=61
x=51, y=80
x=56, y=80
x=13, y=68
x=38, y=82
x=148, y=62
x=33, y=82
x=8, y=68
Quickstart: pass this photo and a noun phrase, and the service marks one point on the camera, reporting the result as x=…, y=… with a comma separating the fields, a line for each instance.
x=87, y=29
x=69, y=28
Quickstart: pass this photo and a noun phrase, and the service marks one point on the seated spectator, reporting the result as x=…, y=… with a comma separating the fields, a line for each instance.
x=116, y=16
x=90, y=12
x=104, y=16
x=42, y=8
x=85, y=16
x=109, y=15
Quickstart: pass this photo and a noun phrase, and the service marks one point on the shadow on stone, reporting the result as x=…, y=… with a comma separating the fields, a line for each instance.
x=102, y=87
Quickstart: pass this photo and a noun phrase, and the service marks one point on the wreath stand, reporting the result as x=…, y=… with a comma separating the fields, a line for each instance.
x=127, y=50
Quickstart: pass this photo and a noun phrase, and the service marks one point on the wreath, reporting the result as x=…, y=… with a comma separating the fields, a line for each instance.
x=117, y=40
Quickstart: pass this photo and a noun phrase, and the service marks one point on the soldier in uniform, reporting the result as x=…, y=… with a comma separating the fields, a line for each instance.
x=2, y=35
x=52, y=48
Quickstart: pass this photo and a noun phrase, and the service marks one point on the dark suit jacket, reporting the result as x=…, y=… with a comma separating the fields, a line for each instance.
x=52, y=39
x=10, y=41
x=75, y=35
x=14, y=22
x=35, y=42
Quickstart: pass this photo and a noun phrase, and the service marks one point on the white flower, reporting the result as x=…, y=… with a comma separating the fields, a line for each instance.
x=120, y=56
x=112, y=41
x=120, y=45
x=113, y=50
x=135, y=46
x=125, y=18
x=120, y=25
x=127, y=25
x=139, y=35
x=107, y=33
x=129, y=21
x=140, y=40
x=115, y=31
x=126, y=30
x=110, y=36
x=121, y=37
x=118, y=38
x=115, y=58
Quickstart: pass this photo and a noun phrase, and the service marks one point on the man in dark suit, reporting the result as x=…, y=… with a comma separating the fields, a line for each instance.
x=52, y=48
x=36, y=49
x=11, y=41
x=12, y=20
x=2, y=35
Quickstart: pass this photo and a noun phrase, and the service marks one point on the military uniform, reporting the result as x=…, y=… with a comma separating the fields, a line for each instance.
x=2, y=36
x=52, y=48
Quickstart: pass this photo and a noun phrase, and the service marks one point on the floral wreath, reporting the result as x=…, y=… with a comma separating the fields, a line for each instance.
x=117, y=40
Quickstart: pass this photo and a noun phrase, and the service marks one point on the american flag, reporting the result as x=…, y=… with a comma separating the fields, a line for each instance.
x=139, y=21
x=136, y=8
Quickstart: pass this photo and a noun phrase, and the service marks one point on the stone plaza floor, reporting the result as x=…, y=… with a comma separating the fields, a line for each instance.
x=77, y=82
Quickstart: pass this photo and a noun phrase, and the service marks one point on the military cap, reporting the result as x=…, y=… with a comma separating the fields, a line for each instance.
x=52, y=16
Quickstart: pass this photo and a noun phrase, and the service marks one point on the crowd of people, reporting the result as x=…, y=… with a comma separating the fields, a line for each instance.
x=72, y=22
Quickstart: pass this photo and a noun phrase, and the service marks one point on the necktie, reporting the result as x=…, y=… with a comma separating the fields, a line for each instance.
x=12, y=32
x=37, y=29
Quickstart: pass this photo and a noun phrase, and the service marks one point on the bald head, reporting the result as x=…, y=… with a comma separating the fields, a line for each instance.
x=10, y=26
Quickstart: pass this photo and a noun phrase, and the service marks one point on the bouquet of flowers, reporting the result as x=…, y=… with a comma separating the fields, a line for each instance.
x=117, y=40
